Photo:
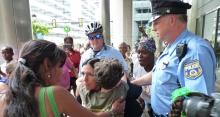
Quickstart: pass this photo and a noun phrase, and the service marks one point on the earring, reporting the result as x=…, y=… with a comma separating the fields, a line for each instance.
x=49, y=75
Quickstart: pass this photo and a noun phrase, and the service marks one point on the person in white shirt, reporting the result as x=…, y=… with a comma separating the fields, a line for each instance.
x=146, y=58
x=7, y=54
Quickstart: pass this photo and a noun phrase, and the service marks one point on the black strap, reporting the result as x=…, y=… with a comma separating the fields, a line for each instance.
x=132, y=69
x=181, y=51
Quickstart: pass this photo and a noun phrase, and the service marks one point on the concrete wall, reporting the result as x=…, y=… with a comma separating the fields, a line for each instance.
x=106, y=21
x=127, y=25
x=15, y=23
x=116, y=21
x=120, y=21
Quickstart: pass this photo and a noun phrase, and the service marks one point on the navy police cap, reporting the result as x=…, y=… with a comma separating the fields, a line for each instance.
x=163, y=7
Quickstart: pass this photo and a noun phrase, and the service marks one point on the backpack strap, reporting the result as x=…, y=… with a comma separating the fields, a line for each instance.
x=41, y=101
x=52, y=102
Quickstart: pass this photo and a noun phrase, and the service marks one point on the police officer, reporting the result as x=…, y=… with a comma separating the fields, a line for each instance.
x=187, y=61
x=99, y=49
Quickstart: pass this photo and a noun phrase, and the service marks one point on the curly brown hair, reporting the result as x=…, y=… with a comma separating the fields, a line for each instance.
x=108, y=73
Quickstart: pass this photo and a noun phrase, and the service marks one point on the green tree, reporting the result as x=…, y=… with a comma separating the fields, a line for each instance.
x=39, y=28
x=149, y=31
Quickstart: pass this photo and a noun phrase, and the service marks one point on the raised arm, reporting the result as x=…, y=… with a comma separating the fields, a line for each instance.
x=143, y=80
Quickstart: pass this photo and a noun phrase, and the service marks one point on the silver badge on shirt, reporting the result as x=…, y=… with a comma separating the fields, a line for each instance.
x=164, y=64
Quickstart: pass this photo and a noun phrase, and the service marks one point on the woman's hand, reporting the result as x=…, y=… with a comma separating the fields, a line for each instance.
x=118, y=106
x=79, y=81
x=177, y=107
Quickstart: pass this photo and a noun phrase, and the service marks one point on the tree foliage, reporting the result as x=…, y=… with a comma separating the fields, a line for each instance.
x=40, y=28
x=149, y=31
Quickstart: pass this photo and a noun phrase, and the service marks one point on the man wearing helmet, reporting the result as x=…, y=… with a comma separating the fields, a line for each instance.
x=98, y=49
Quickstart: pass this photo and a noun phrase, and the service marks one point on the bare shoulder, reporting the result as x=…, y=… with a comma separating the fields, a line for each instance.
x=3, y=90
x=2, y=103
x=62, y=98
x=61, y=94
x=60, y=91
x=3, y=87
x=67, y=104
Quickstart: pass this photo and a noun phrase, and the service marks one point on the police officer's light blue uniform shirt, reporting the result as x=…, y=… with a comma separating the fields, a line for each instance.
x=196, y=71
x=105, y=52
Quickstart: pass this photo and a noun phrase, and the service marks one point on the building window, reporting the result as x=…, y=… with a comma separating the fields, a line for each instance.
x=143, y=10
x=147, y=10
x=210, y=27
x=218, y=34
x=217, y=41
x=200, y=26
x=139, y=11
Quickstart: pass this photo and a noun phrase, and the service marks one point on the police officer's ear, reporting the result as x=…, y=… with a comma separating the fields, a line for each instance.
x=172, y=19
x=177, y=19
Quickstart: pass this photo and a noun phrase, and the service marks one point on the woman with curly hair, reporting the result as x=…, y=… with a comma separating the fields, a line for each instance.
x=102, y=85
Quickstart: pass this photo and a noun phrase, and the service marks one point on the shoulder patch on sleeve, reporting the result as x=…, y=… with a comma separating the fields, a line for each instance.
x=192, y=70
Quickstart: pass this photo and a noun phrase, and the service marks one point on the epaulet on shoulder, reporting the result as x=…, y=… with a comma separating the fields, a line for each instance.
x=195, y=41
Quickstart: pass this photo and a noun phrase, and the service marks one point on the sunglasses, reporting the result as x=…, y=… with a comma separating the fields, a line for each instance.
x=97, y=36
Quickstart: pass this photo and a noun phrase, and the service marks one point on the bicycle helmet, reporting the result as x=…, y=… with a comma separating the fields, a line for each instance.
x=93, y=28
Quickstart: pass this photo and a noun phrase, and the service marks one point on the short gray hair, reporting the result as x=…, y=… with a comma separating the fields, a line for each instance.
x=183, y=18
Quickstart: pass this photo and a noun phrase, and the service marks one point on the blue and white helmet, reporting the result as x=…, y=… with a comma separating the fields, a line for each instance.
x=93, y=28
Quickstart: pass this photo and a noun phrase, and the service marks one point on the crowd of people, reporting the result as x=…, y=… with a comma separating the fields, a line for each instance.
x=47, y=80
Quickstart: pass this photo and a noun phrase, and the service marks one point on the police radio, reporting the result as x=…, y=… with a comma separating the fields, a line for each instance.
x=181, y=50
